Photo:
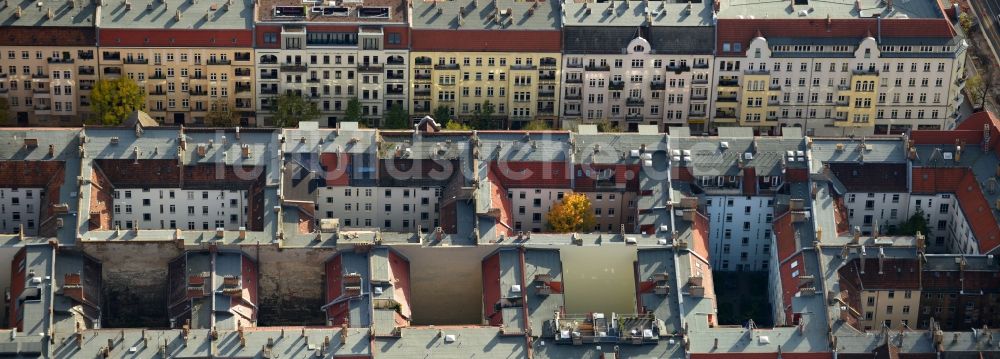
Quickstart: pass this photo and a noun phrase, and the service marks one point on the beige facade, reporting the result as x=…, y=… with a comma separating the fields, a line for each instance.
x=183, y=84
x=893, y=308
x=47, y=86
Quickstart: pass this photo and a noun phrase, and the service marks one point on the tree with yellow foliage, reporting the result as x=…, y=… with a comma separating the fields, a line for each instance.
x=573, y=214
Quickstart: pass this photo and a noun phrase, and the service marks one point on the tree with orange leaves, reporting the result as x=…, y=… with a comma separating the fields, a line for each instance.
x=573, y=214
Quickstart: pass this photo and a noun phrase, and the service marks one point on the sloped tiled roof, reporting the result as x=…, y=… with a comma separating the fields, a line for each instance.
x=871, y=177
x=744, y=30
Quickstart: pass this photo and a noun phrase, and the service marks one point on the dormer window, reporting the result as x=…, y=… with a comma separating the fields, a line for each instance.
x=638, y=48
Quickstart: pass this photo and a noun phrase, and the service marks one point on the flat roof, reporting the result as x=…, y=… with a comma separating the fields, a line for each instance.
x=160, y=14
x=822, y=9
x=346, y=12
x=486, y=15
x=633, y=13
x=35, y=14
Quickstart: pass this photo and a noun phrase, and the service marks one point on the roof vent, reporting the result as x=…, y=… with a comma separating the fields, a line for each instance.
x=177, y=15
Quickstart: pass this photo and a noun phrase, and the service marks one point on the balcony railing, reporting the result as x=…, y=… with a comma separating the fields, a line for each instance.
x=701, y=65
x=869, y=71
x=546, y=77
x=85, y=70
x=757, y=72
x=729, y=82
x=724, y=115
x=195, y=92
x=294, y=67
x=39, y=76
x=241, y=88
x=634, y=101
x=157, y=76
x=112, y=71
x=598, y=68
x=679, y=68
x=394, y=76
x=269, y=91
x=370, y=68
x=242, y=72
x=219, y=62
x=422, y=92
x=269, y=76
x=422, y=77
x=136, y=61
x=546, y=94
x=574, y=80
x=574, y=97
x=393, y=62
x=158, y=93
x=546, y=110
x=574, y=65
x=616, y=85
x=727, y=99
x=658, y=85
x=523, y=67
x=53, y=60
x=446, y=67
x=774, y=87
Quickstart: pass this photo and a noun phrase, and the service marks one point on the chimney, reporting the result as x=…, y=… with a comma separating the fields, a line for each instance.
x=881, y=261
x=177, y=15
x=857, y=235
x=17, y=12
x=861, y=253
x=888, y=5
x=49, y=15
x=52, y=150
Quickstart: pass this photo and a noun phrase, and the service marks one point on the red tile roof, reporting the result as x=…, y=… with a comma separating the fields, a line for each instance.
x=699, y=235
x=871, y=176
x=784, y=230
x=586, y=176
x=500, y=202
x=175, y=38
x=976, y=121
x=533, y=174
x=744, y=30
x=47, y=35
x=797, y=175
x=336, y=168
x=963, y=183
x=487, y=40
x=790, y=283
x=749, y=181
x=897, y=273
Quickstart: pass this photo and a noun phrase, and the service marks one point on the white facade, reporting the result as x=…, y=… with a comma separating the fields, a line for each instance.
x=639, y=87
x=740, y=232
x=886, y=209
x=530, y=206
x=395, y=209
x=20, y=206
x=949, y=230
x=332, y=68
x=918, y=87
x=169, y=208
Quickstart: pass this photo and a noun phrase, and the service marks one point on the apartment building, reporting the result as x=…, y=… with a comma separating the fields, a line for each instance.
x=175, y=208
x=332, y=54
x=189, y=57
x=466, y=53
x=633, y=63
x=47, y=62
x=887, y=289
x=959, y=291
x=836, y=69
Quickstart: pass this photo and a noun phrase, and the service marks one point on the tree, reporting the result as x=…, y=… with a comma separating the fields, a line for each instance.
x=113, y=101
x=573, y=214
x=442, y=115
x=916, y=223
x=966, y=21
x=293, y=108
x=456, y=126
x=353, y=113
x=607, y=126
x=483, y=117
x=397, y=118
x=537, y=125
x=221, y=115
x=980, y=86
x=4, y=111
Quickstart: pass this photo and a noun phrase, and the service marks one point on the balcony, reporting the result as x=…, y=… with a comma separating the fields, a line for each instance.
x=86, y=70
x=634, y=101
x=679, y=68
x=598, y=68
x=86, y=86
x=699, y=81
x=574, y=65
x=112, y=70
x=703, y=65
x=422, y=77
x=773, y=102
x=546, y=110
x=158, y=76
x=197, y=76
x=265, y=60
x=843, y=87
x=243, y=57
x=294, y=67
x=700, y=113
x=574, y=97
x=196, y=92
x=268, y=76
x=393, y=61
x=394, y=75
x=523, y=67
x=111, y=56
x=269, y=91
x=574, y=80
x=658, y=85
x=547, y=78
x=633, y=117
x=242, y=72
x=216, y=62
x=757, y=72
x=725, y=115
x=616, y=85
x=53, y=60
x=729, y=82
x=370, y=68
x=869, y=71
x=422, y=93
x=774, y=87
x=394, y=91
x=40, y=91
x=85, y=55
x=446, y=67
x=43, y=108
x=242, y=88
x=727, y=98
x=549, y=63
x=547, y=94
x=422, y=61
x=314, y=80
x=136, y=61
x=701, y=97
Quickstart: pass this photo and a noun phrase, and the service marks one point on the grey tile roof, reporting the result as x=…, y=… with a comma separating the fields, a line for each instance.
x=523, y=146
x=615, y=39
x=157, y=14
x=836, y=9
x=65, y=13
x=710, y=157
x=430, y=343
x=633, y=13
x=665, y=307
x=479, y=15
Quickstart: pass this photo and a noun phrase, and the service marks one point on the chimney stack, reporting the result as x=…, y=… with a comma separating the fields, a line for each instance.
x=881, y=261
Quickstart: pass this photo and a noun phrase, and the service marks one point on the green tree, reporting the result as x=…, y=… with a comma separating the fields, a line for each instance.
x=483, y=117
x=114, y=100
x=916, y=223
x=442, y=115
x=4, y=111
x=573, y=214
x=980, y=86
x=537, y=125
x=456, y=126
x=353, y=113
x=221, y=115
x=966, y=21
x=608, y=126
x=397, y=118
x=292, y=108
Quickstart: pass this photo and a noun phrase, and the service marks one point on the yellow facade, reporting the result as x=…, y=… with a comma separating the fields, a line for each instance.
x=898, y=307
x=521, y=86
x=755, y=104
x=183, y=84
x=856, y=103
x=727, y=99
x=48, y=85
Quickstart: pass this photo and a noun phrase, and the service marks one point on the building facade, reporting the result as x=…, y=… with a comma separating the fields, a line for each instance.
x=333, y=55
